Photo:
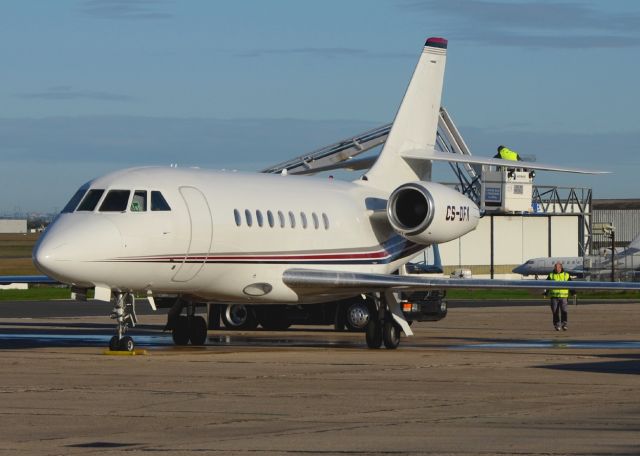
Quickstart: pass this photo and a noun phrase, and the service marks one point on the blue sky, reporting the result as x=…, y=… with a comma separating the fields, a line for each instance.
x=91, y=86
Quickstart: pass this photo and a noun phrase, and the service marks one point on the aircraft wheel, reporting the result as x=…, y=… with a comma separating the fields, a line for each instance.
x=391, y=335
x=239, y=316
x=126, y=344
x=198, y=331
x=114, y=344
x=180, y=332
x=374, y=333
x=357, y=316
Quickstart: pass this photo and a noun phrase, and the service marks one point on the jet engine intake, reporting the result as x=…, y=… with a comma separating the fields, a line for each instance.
x=431, y=213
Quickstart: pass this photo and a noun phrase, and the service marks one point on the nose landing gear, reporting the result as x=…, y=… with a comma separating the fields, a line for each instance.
x=124, y=312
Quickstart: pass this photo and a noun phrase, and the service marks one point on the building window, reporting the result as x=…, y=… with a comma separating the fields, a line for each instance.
x=236, y=215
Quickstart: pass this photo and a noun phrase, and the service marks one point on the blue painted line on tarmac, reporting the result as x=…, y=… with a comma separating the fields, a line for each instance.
x=592, y=344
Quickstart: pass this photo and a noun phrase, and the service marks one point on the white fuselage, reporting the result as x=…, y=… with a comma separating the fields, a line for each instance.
x=204, y=245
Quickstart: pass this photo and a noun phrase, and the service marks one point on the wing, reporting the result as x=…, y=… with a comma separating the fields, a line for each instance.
x=418, y=154
x=311, y=281
x=42, y=279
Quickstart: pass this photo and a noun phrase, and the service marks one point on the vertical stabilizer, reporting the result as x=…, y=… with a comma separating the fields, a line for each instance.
x=635, y=243
x=415, y=124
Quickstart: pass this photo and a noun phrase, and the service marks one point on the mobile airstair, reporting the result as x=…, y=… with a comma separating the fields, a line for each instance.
x=342, y=154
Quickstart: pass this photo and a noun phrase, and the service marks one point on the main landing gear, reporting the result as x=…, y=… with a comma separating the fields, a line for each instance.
x=124, y=312
x=386, y=323
x=185, y=329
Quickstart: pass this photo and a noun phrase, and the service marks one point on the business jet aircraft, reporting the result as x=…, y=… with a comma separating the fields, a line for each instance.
x=274, y=239
x=581, y=266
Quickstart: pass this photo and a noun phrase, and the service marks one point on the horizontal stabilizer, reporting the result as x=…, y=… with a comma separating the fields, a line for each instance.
x=473, y=159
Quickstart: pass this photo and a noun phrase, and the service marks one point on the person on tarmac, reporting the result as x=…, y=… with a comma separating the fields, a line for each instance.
x=559, y=297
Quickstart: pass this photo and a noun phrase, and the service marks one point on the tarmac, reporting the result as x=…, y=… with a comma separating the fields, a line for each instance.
x=488, y=379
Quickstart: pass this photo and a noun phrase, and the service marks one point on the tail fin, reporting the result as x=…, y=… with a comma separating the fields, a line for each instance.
x=635, y=243
x=416, y=122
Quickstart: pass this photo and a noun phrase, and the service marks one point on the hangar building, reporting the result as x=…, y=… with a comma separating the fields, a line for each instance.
x=13, y=226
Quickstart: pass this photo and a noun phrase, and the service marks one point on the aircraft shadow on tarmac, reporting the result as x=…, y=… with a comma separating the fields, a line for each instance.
x=624, y=363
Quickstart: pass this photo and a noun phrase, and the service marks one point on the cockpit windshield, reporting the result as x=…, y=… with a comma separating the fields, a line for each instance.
x=90, y=201
x=115, y=201
x=75, y=199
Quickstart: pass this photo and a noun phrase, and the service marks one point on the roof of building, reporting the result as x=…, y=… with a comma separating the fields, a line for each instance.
x=603, y=204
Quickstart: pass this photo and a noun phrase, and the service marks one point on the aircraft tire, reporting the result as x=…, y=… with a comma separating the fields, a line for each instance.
x=180, y=332
x=197, y=331
x=373, y=334
x=391, y=335
x=114, y=344
x=126, y=344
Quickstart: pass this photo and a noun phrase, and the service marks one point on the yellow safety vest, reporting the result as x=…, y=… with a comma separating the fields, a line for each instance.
x=508, y=154
x=560, y=277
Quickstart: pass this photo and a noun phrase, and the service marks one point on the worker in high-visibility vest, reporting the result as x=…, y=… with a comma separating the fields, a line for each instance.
x=507, y=154
x=559, y=297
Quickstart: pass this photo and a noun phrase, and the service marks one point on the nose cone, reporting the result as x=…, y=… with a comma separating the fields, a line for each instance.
x=69, y=246
x=520, y=269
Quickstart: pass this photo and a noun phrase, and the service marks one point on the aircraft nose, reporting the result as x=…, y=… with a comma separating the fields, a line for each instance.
x=518, y=269
x=67, y=248
x=46, y=253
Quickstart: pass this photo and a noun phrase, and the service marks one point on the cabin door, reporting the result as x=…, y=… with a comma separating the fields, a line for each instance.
x=201, y=226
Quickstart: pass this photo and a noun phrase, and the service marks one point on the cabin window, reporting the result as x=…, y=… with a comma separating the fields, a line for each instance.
x=316, y=223
x=236, y=215
x=270, y=219
x=158, y=203
x=90, y=201
x=248, y=217
x=292, y=219
x=325, y=220
x=139, y=201
x=281, y=218
x=303, y=219
x=73, y=202
x=115, y=201
x=259, y=218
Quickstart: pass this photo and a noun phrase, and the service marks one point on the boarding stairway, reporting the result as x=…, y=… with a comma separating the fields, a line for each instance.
x=340, y=154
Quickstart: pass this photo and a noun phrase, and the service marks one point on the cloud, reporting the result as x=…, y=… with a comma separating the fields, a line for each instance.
x=534, y=23
x=125, y=9
x=68, y=93
x=327, y=53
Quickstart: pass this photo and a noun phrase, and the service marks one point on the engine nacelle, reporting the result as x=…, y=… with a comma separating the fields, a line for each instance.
x=431, y=213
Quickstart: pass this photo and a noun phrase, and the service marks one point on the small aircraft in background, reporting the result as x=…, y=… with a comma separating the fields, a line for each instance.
x=272, y=240
x=581, y=266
